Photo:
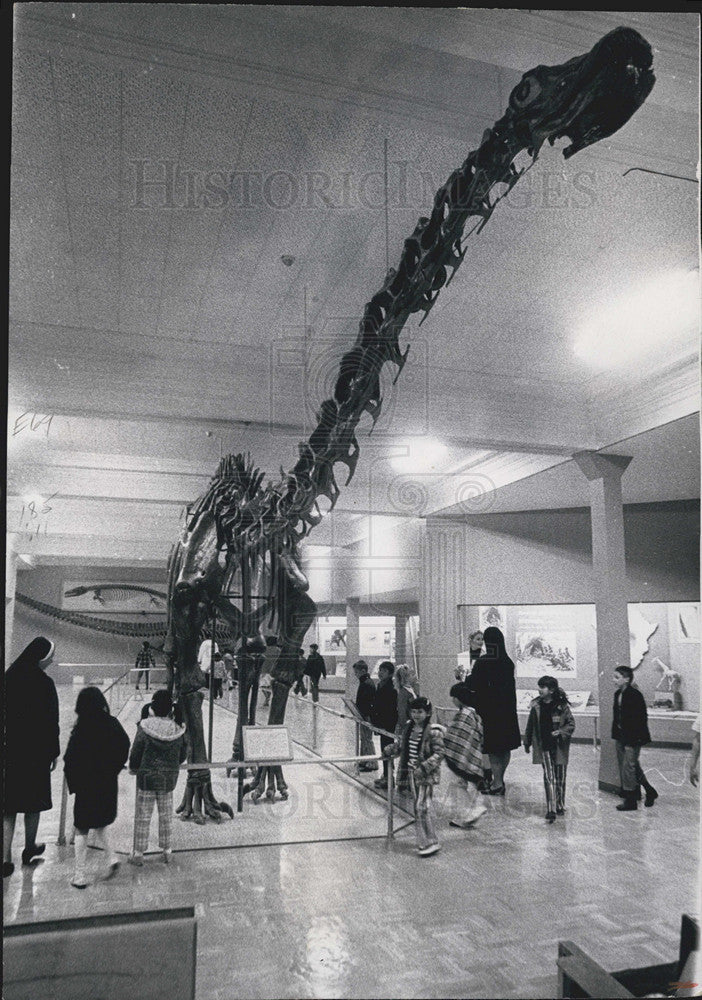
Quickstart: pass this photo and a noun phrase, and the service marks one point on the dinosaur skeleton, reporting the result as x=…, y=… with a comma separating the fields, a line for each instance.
x=244, y=535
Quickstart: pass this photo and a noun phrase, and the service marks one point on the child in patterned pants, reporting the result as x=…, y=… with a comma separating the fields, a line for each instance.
x=548, y=731
x=158, y=750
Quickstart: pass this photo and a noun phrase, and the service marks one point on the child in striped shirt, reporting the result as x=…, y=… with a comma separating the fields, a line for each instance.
x=421, y=750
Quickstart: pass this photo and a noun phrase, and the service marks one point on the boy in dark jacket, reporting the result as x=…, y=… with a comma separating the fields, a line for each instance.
x=316, y=668
x=630, y=730
x=157, y=752
x=365, y=697
x=384, y=714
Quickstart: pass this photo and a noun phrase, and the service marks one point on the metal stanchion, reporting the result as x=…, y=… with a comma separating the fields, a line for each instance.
x=391, y=791
x=315, y=706
x=212, y=662
x=62, y=816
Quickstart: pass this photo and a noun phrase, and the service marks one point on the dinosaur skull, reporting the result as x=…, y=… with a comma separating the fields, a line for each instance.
x=587, y=98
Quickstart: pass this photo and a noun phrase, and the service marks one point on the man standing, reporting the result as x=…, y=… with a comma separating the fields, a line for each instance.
x=316, y=668
x=365, y=698
x=384, y=714
x=144, y=663
x=300, y=671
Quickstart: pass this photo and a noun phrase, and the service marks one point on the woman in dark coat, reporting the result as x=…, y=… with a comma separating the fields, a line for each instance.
x=96, y=753
x=492, y=682
x=31, y=746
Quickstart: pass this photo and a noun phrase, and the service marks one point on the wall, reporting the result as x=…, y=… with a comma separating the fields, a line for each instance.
x=664, y=644
x=543, y=557
x=74, y=644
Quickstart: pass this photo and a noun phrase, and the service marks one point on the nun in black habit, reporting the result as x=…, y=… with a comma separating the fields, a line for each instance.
x=492, y=682
x=31, y=746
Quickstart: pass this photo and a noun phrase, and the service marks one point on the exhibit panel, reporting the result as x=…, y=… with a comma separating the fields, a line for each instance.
x=561, y=640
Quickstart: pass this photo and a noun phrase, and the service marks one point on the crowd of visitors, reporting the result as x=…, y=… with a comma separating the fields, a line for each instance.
x=476, y=745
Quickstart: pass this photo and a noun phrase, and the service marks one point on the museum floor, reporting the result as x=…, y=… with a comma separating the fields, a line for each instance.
x=307, y=899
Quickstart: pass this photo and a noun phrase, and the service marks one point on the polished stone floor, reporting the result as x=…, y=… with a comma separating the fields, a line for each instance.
x=332, y=917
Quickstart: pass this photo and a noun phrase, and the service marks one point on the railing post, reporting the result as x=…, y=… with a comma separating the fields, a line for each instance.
x=62, y=816
x=315, y=706
x=391, y=805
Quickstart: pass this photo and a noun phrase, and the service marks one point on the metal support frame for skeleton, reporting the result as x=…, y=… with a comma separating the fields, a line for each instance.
x=239, y=522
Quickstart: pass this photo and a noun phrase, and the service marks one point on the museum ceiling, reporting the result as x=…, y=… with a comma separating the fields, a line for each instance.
x=162, y=325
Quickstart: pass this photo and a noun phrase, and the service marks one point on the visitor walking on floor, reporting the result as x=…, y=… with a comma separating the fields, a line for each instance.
x=365, y=697
x=463, y=745
x=144, y=662
x=219, y=675
x=421, y=750
x=406, y=685
x=630, y=730
x=548, y=731
x=492, y=681
x=300, y=671
x=97, y=751
x=316, y=668
x=31, y=747
x=384, y=714
x=158, y=750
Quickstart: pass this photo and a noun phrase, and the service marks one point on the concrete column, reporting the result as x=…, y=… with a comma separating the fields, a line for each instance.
x=353, y=642
x=604, y=474
x=400, y=639
x=442, y=583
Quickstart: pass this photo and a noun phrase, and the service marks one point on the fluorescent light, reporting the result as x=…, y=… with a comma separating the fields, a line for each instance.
x=423, y=455
x=634, y=323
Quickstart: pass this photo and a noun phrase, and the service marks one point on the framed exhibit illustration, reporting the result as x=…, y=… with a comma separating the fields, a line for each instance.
x=377, y=637
x=642, y=625
x=114, y=597
x=525, y=696
x=685, y=621
x=331, y=636
x=545, y=641
x=492, y=614
x=577, y=699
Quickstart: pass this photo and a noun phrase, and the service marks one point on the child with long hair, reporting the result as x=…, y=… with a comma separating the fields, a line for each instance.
x=421, y=749
x=548, y=731
x=96, y=753
x=463, y=744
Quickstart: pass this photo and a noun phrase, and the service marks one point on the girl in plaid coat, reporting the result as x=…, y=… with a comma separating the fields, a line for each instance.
x=463, y=743
x=548, y=730
x=421, y=749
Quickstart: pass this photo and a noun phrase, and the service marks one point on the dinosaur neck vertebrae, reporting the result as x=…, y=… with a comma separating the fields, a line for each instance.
x=586, y=99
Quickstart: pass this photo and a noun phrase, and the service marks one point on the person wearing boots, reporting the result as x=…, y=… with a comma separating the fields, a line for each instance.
x=365, y=697
x=316, y=669
x=384, y=714
x=630, y=730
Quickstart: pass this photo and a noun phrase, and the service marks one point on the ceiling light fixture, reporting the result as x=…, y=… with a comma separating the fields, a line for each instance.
x=650, y=316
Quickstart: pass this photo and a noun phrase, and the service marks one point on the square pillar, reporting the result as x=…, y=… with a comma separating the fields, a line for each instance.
x=400, y=639
x=442, y=589
x=604, y=474
x=353, y=642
